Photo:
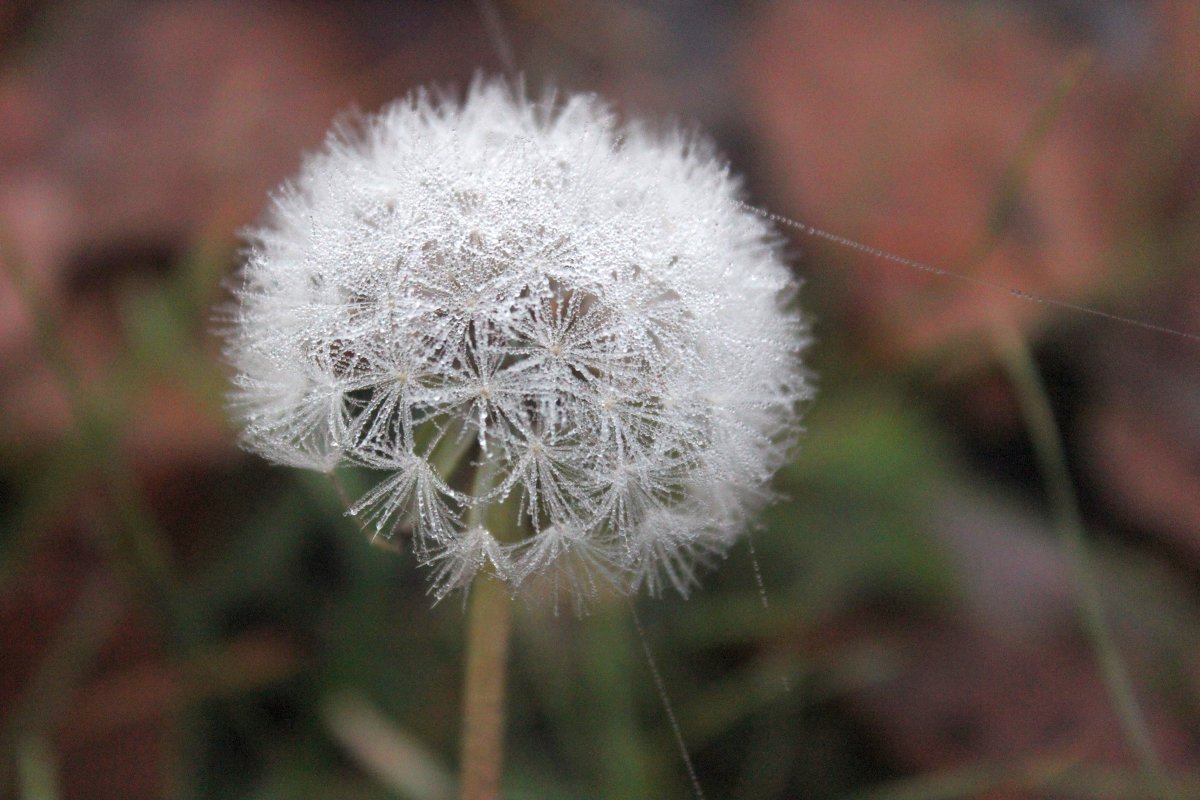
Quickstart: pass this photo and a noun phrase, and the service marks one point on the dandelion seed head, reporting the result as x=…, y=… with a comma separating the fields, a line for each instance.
x=561, y=342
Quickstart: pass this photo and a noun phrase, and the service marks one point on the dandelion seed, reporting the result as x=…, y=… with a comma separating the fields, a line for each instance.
x=581, y=308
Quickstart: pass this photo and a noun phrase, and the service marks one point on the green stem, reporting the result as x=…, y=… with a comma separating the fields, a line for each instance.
x=1047, y=443
x=1016, y=173
x=489, y=623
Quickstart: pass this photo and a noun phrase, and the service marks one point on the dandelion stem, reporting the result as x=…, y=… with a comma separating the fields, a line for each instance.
x=488, y=623
x=1047, y=444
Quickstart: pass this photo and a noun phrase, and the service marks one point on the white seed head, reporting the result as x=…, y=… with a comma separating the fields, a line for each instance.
x=562, y=342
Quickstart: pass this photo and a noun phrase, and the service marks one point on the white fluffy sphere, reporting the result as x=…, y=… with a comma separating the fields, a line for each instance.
x=563, y=342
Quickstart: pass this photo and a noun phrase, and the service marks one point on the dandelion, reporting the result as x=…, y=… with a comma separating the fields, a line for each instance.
x=561, y=341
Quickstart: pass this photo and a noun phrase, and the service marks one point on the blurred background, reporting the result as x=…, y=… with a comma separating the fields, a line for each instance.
x=181, y=619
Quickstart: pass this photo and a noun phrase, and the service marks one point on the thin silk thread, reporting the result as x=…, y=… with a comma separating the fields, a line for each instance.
x=922, y=266
x=661, y=686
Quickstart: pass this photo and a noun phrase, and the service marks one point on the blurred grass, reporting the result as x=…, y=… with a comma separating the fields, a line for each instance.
x=136, y=541
x=854, y=526
x=757, y=689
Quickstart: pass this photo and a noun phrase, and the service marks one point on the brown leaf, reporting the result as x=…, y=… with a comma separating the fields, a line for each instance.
x=894, y=123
